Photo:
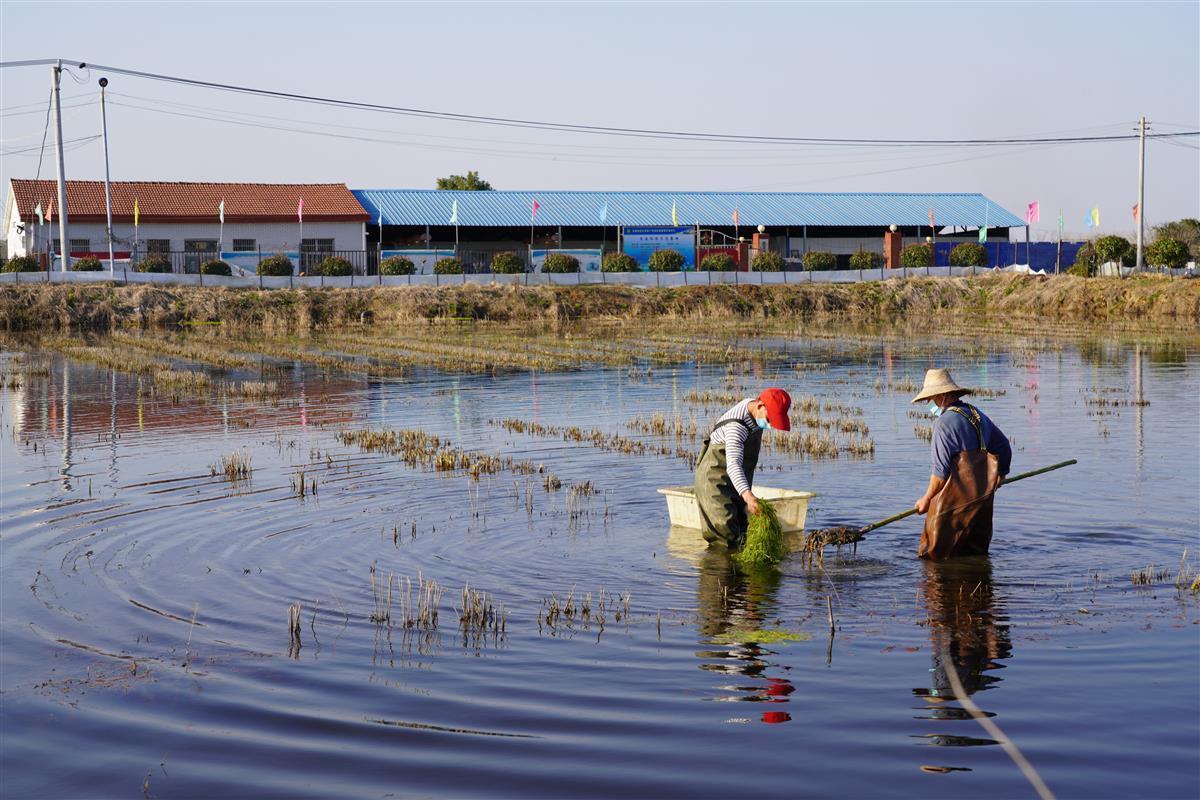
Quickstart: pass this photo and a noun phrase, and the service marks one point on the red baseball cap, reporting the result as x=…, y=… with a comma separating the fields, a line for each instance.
x=777, y=402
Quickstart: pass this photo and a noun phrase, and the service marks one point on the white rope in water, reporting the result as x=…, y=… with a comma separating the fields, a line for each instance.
x=994, y=731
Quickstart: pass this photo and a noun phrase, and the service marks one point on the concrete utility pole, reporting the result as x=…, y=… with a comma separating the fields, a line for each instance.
x=1141, y=217
x=107, y=183
x=64, y=242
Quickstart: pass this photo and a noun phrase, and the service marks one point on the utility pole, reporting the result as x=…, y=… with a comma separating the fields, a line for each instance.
x=64, y=242
x=107, y=182
x=1141, y=217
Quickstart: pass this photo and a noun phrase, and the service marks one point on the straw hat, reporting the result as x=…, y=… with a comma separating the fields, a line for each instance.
x=938, y=381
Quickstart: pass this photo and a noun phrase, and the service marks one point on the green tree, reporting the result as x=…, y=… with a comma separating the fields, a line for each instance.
x=470, y=182
x=1165, y=252
x=917, y=255
x=1184, y=230
x=822, y=260
x=968, y=254
x=1114, y=248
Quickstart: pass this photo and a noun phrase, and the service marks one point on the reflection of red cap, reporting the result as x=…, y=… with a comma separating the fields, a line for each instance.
x=775, y=717
x=777, y=402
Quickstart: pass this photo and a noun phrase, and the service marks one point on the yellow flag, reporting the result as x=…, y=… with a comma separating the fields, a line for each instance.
x=135, y=212
x=674, y=217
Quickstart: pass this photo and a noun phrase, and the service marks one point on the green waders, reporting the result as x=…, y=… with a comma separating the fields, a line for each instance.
x=722, y=509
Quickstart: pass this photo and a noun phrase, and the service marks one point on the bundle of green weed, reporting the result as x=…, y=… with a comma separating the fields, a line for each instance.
x=764, y=539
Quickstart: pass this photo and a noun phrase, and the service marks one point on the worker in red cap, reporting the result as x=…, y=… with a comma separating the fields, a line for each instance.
x=725, y=471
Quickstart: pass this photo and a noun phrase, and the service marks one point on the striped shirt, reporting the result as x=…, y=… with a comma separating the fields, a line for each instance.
x=734, y=438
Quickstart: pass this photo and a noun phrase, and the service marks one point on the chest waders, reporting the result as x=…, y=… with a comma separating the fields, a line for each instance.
x=722, y=510
x=959, y=519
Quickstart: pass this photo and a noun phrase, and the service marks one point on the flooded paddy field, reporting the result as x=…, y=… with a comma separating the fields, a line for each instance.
x=339, y=567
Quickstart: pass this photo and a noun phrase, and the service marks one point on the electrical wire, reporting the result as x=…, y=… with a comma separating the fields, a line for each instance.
x=673, y=135
x=68, y=145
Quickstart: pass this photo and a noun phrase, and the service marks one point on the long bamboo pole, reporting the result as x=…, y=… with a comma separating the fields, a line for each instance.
x=1013, y=479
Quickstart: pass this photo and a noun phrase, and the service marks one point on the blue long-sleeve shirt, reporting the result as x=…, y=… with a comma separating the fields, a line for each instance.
x=953, y=433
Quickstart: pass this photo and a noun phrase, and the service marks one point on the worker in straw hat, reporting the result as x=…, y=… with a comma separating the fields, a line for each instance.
x=970, y=457
x=725, y=470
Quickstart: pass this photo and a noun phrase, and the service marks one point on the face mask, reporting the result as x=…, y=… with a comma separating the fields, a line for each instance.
x=764, y=423
x=935, y=409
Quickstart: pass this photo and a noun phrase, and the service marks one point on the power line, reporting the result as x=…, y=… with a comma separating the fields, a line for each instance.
x=597, y=129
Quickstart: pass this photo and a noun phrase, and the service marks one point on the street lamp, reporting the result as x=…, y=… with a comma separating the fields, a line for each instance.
x=762, y=228
x=892, y=228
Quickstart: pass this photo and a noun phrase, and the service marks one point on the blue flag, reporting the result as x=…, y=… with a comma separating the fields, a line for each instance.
x=1088, y=219
x=604, y=213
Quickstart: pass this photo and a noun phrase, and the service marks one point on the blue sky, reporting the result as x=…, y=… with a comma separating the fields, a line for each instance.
x=866, y=70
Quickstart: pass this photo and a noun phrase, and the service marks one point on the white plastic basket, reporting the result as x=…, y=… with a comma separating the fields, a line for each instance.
x=791, y=506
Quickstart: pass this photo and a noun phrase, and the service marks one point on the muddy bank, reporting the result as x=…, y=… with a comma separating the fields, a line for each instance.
x=1152, y=301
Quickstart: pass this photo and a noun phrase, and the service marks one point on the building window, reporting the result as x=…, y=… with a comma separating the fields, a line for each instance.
x=316, y=246
x=245, y=245
x=77, y=246
x=158, y=245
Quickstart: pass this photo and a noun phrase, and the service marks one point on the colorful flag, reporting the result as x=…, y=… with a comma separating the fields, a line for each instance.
x=300, y=211
x=983, y=231
x=221, y=211
x=1096, y=216
x=735, y=218
x=40, y=215
x=674, y=216
x=135, y=212
x=381, y=220
x=1088, y=220
x=454, y=213
x=604, y=213
x=533, y=214
x=983, y=235
x=50, y=212
x=1060, y=222
x=931, y=217
x=1031, y=213
x=1136, y=211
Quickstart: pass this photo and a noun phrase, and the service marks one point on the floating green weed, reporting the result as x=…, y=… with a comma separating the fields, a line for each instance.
x=760, y=636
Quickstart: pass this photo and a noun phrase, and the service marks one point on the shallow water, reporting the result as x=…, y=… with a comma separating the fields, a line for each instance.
x=146, y=650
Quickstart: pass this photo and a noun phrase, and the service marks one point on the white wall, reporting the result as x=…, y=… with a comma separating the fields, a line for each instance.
x=270, y=237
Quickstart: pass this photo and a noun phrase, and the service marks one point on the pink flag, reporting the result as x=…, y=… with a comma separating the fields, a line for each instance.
x=533, y=215
x=1136, y=211
x=1031, y=213
x=931, y=217
x=300, y=210
x=735, y=216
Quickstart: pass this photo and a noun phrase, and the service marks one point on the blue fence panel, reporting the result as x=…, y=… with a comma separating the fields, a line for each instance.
x=1040, y=255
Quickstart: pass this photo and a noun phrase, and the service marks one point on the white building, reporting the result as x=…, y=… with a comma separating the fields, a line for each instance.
x=183, y=221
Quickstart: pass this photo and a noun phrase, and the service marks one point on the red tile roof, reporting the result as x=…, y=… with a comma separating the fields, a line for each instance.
x=161, y=201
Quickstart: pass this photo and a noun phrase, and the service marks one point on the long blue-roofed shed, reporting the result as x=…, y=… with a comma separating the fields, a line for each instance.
x=839, y=222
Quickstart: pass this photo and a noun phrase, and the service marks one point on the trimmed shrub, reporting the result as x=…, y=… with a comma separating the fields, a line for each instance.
x=1085, y=262
x=820, y=260
x=917, y=255
x=1114, y=248
x=718, y=262
x=276, y=266
x=397, y=265
x=334, y=267
x=968, y=254
x=1170, y=253
x=560, y=263
x=620, y=262
x=507, y=264
x=215, y=266
x=768, y=262
x=86, y=264
x=21, y=264
x=866, y=259
x=448, y=266
x=154, y=262
x=666, y=261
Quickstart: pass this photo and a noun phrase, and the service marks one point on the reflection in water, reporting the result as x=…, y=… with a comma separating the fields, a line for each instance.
x=966, y=623
x=731, y=600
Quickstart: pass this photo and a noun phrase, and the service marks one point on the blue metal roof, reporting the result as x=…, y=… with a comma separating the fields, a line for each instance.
x=570, y=208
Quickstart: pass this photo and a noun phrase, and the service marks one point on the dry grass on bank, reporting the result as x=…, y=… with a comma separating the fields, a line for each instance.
x=1171, y=302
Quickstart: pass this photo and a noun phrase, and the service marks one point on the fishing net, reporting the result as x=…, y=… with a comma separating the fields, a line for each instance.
x=764, y=539
x=815, y=543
